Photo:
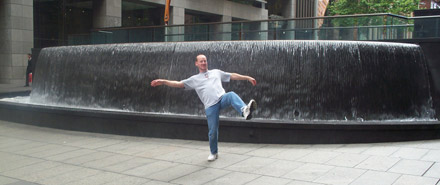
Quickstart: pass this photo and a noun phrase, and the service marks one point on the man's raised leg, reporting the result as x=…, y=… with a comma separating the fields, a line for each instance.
x=231, y=98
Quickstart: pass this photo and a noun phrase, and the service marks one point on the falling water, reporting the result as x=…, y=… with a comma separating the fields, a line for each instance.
x=326, y=80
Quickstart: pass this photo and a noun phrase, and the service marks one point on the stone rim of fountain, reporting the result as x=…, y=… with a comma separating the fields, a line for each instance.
x=231, y=129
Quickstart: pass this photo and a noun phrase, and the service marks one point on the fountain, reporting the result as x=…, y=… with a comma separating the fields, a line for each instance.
x=307, y=90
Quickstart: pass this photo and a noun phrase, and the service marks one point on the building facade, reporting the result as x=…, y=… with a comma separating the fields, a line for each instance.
x=32, y=24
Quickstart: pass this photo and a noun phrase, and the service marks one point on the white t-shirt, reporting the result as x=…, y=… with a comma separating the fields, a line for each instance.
x=208, y=85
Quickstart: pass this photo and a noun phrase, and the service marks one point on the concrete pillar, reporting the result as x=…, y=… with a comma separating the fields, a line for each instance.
x=222, y=31
x=263, y=35
x=16, y=39
x=289, y=9
x=107, y=13
x=175, y=33
x=289, y=12
x=316, y=21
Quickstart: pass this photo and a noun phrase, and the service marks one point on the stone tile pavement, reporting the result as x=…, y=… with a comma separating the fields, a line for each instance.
x=32, y=155
x=14, y=88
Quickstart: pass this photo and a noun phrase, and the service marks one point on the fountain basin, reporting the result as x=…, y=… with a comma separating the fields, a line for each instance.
x=231, y=129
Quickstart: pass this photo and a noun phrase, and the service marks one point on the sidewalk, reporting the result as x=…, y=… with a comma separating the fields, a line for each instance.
x=37, y=155
x=10, y=90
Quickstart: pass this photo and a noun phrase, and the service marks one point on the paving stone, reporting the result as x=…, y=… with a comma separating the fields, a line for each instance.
x=308, y=172
x=72, y=154
x=430, y=144
x=37, y=155
x=297, y=182
x=120, y=147
x=240, y=148
x=18, y=148
x=353, y=148
x=31, y=169
x=201, y=145
x=107, y=161
x=319, y=157
x=169, y=142
x=174, y=172
x=293, y=154
x=94, y=143
x=84, y=141
x=224, y=160
x=347, y=160
x=100, y=178
x=434, y=171
x=129, y=164
x=264, y=180
x=408, y=144
x=11, y=165
x=378, y=163
x=234, y=178
x=250, y=165
x=46, y=154
x=410, y=153
x=34, y=150
x=148, y=169
x=340, y=175
x=136, y=149
x=88, y=157
x=201, y=177
x=179, y=154
x=153, y=182
x=326, y=147
x=381, y=150
x=433, y=155
x=376, y=178
x=129, y=180
x=50, y=172
x=71, y=176
x=411, y=167
x=278, y=168
x=8, y=158
x=6, y=180
x=162, y=150
x=8, y=142
x=268, y=151
x=23, y=183
x=415, y=180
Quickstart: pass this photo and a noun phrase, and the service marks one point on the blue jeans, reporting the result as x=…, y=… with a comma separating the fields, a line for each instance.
x=213, y=113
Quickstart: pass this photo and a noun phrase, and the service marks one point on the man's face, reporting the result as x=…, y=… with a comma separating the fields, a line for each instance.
x=202, y=63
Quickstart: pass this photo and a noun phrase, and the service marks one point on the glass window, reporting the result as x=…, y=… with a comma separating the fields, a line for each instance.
x=141, y=14
x=57, y=21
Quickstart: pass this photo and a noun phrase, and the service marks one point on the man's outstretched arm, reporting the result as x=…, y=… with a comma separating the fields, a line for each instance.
x=169, y=83
x=236, y=76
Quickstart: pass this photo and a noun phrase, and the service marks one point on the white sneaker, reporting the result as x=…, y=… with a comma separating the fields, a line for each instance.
x=212, y=157
x=247, y=111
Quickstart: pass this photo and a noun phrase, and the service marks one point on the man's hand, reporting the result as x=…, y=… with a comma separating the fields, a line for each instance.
x=169, y=83
x=157, y=82
x=236, y=76
x=253, y=81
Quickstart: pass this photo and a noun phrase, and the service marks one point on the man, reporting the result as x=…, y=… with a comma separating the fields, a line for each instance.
x=208, y=85
x=28, y=69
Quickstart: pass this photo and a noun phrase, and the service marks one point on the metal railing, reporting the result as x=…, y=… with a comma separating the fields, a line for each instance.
x=353, y=27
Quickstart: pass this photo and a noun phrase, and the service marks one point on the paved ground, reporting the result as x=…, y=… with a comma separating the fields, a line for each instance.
x=6, y=88
x=36, y=155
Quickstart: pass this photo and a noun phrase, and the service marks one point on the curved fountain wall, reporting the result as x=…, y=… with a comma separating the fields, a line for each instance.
x=324, y=80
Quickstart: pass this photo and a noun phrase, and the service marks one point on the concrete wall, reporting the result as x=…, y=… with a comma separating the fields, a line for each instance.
x=16, y=39
x=226, y=9
x=219, y=7
x=107, y=13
